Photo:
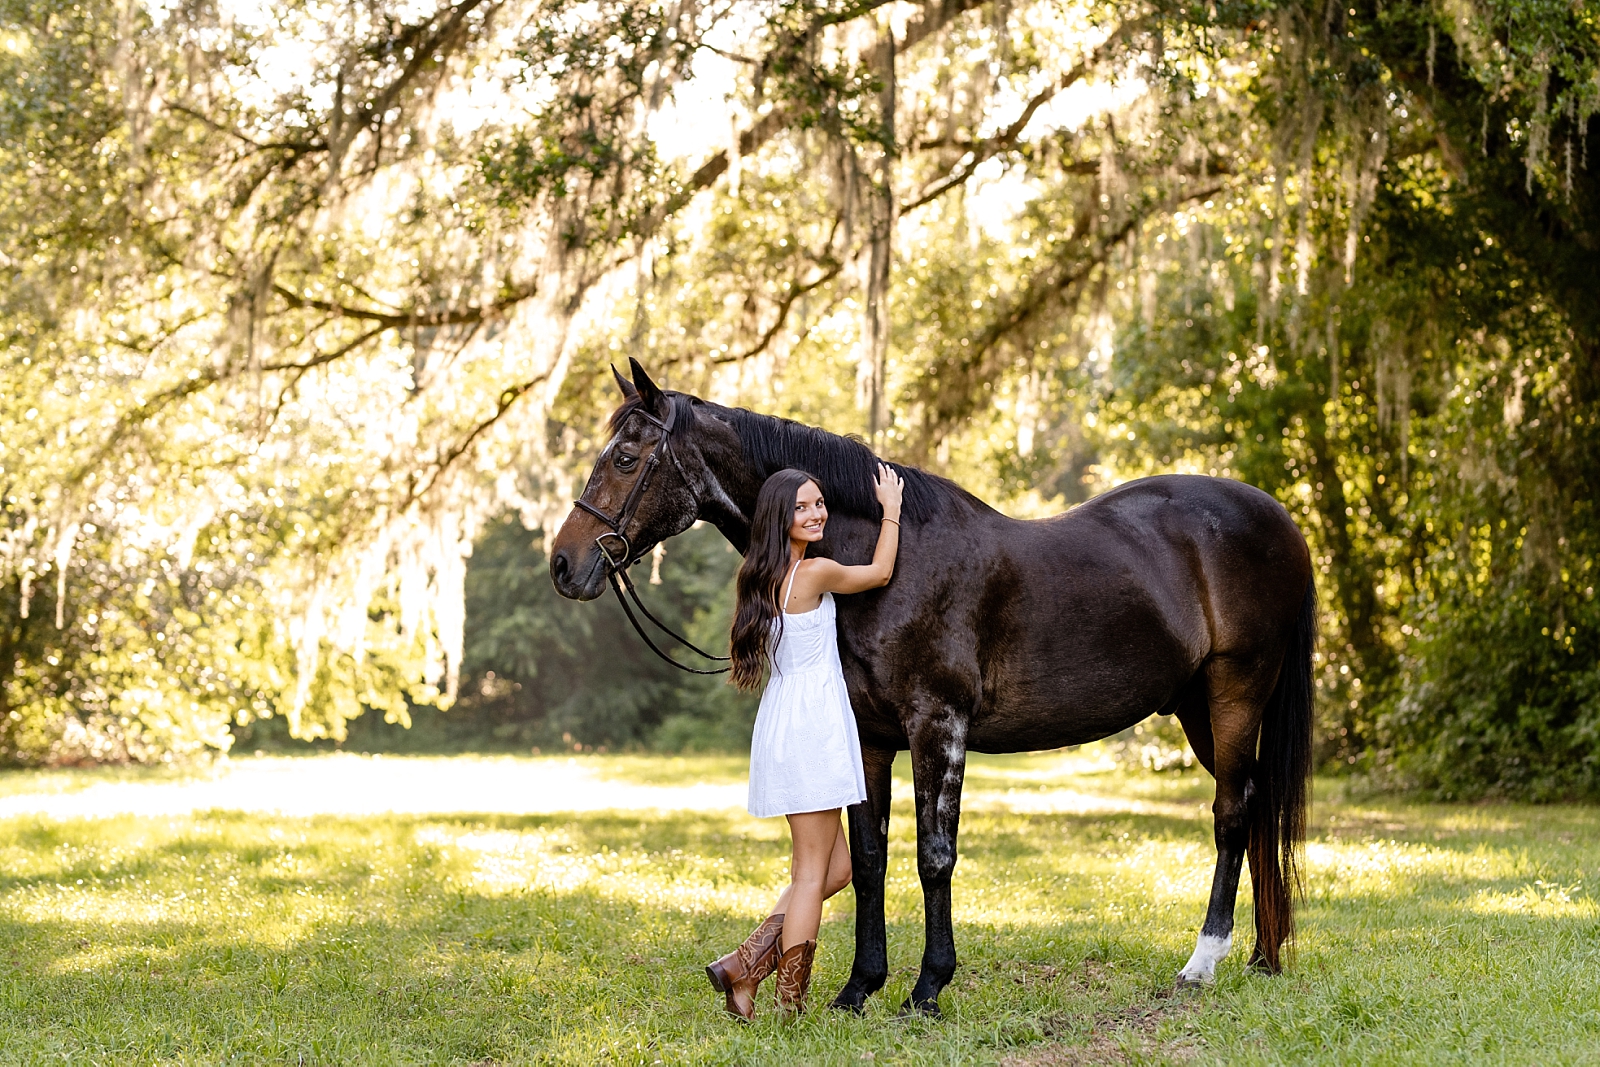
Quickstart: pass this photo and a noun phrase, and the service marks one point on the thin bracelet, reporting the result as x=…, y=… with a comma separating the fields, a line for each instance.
x=895, y=521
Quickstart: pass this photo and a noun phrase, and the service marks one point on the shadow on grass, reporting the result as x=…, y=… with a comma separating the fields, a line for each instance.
x=389, y=939
x=469, y=977
x=462, y=977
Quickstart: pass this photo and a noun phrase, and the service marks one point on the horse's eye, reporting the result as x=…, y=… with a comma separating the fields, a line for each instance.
x=625, y=462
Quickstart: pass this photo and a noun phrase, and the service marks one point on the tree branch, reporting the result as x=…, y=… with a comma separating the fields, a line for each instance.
x=1007, y=138
x=1047, y=285
x=508, y=397
x=321, y=358
x=794, y=294
x=734, y=57
x=948, y=397
x=298, y=371
x=936, y=15
x=403, y=320
x=296, y=147
x=422, y=53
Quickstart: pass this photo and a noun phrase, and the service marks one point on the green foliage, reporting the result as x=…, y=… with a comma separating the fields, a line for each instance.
x=299, y=299
x=251, y=276
x=1496, y=690
x=1495, y=701
x=540, y=670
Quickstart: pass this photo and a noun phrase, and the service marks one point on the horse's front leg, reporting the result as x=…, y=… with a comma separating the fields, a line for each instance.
x=938, y=764
x=869, y=865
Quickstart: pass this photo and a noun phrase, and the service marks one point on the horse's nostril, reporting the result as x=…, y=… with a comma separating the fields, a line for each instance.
x=559, y=567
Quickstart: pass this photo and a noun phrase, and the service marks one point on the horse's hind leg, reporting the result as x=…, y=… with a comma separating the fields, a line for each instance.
x=869, y=864
x=1237, y=691
x=1194, y=715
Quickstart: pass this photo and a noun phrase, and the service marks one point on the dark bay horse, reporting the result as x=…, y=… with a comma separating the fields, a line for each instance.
x=1180, y=595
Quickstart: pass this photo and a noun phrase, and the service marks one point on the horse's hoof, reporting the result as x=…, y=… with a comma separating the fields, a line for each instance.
x=1258, y=965
x=853, y=998
x=927, y=1009
x=1188, y=984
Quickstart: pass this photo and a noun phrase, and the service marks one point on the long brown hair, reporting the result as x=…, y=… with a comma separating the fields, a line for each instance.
x=766, y=562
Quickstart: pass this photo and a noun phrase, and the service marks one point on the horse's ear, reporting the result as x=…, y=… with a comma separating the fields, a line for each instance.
x=654, y=402
x=628, y=391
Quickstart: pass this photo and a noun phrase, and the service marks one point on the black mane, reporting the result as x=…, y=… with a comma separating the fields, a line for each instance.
x=845, y=466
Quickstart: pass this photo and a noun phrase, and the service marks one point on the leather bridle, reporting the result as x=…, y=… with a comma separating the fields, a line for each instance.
x=617, y=565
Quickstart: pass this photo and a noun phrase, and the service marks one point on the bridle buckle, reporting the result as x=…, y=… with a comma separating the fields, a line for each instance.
x=619, y=561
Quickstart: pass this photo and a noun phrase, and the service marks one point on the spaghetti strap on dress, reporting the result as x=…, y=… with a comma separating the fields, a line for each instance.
x=805, y=754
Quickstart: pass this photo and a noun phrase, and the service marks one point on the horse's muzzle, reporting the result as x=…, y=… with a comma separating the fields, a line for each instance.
x=577, y=579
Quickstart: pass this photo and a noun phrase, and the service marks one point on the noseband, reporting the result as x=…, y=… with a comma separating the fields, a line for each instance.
x=617, y=565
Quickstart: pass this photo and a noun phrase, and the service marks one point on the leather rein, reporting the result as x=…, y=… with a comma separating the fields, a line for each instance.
x=617, y=565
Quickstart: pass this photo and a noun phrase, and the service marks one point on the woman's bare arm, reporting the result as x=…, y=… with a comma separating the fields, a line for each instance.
x=827, y=576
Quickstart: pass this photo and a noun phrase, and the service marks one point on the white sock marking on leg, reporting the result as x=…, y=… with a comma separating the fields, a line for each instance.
x=1208, y=952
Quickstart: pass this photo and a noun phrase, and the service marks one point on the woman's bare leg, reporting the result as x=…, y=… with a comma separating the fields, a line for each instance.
x=839, y=873
x=817, y=836
x=738, y=974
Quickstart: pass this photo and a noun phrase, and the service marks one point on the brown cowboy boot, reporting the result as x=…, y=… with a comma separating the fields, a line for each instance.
x=740, y=973
x=794, y=977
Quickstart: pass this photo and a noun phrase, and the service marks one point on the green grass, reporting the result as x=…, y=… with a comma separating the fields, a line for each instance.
x=1430, y=933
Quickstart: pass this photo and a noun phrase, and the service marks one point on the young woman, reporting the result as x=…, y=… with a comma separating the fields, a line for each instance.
x=805, y=757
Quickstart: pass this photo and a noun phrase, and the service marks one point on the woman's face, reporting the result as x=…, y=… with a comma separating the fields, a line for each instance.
x=810, y=514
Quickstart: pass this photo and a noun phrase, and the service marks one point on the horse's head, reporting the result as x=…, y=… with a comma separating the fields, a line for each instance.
x=641, y=491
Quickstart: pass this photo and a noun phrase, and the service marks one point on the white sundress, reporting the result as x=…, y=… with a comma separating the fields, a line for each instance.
x=805, y=754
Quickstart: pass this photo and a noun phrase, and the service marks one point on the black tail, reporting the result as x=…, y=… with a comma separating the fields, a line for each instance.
x=1283, y=791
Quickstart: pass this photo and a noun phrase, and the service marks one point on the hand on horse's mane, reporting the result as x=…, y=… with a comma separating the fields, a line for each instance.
x=890, y=487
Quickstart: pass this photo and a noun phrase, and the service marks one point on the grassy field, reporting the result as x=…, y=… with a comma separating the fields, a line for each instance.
x=525, y=934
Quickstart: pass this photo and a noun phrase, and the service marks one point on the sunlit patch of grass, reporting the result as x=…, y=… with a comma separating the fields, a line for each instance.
x=1430, y=933
x=1540, y=898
